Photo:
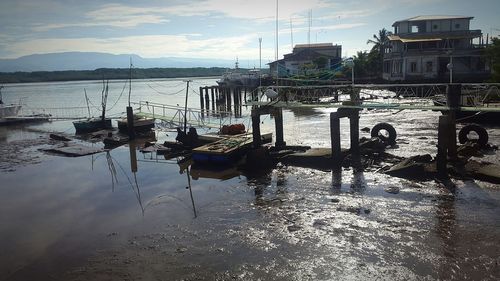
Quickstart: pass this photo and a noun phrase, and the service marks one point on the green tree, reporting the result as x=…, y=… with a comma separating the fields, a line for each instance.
x=493, y=54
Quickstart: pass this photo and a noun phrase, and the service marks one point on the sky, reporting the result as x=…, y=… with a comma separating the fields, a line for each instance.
x=220, y=29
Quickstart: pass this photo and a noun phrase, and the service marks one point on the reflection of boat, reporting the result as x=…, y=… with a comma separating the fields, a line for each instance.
x=141, y=124
x=211, y=172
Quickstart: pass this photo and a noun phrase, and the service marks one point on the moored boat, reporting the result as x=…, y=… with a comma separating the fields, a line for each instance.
x=141, y=124
x=92, y=124
x=8, y=110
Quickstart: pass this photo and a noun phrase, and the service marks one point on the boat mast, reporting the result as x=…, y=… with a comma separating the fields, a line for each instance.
x=87, y=101
x=104, y=99
x=130, y=81
x=186, y=105
x=277, y=52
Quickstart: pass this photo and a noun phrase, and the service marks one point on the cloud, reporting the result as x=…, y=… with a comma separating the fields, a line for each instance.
x=326, y=27
x=114, y=15
x=120, y=15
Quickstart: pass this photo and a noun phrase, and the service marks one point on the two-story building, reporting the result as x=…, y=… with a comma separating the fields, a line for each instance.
x=305, y=55
x=427, y=47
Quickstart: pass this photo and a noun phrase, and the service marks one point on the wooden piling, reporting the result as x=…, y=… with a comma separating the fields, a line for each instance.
x=212, y=91
x=207, y=99
x=278, y=122
x=335, y=138
x=354, y=131
x=202, y=104
x=130, y=122
x=453, y=96
x=257, y=142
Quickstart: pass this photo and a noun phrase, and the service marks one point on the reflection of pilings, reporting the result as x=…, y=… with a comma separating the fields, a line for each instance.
x=191, y=192
x=443, y=144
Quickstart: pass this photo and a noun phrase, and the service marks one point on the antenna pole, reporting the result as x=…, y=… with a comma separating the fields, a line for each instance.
x=291, y=32
x=260, y=61
x=276, y=30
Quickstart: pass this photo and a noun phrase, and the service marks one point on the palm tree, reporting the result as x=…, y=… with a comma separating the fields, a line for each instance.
x=381, y=41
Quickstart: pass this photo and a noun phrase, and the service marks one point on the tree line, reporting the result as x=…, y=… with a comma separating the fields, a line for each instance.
x=108, y=73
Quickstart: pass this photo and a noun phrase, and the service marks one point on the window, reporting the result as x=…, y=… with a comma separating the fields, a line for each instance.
x=457, y=26
x=428, y=66
x=413, y=67
x=414, y=29
x=435, y=26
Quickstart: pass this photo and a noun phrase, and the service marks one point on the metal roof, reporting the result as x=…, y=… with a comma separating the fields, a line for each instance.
x=432, y=17
x=434, y=36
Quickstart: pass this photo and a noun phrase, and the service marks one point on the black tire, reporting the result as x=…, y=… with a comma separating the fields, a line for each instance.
x=480, y=131
x=391, y=140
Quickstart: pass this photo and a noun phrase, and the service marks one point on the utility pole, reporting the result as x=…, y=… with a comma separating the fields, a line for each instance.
x=276, y=57
x=186, y=105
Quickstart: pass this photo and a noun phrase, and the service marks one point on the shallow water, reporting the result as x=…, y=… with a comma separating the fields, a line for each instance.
x=69, y=219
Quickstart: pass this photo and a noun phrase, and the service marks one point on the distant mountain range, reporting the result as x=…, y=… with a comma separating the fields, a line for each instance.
x=91, y=61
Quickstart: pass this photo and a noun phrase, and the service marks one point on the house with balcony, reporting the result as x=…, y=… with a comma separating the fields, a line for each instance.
x=304, y=59
x=427, y=48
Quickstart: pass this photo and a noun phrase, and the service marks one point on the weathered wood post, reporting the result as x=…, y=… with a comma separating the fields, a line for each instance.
x=202, y=104
x=354, y=121
x=335, y=138
x=256, y=128
x=130, y=122
x=278, y=122
x=453, y=96
x=354, y=131
x=228, y=97
x=213, y=97
x=207, y=100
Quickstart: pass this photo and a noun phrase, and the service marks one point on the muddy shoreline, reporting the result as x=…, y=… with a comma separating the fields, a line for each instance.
x=280, y=223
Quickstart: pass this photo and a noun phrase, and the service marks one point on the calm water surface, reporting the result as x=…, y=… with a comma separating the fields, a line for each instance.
x=71, y=219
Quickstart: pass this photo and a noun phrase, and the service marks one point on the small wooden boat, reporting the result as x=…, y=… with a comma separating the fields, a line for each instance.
x=92, y=124
x=141, y=124
x=95, y=124
x=225, y=151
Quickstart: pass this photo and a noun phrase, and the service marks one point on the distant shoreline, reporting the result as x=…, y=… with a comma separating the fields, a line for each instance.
x=108, y=74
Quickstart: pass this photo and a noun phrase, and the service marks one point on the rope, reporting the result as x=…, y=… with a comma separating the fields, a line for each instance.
x=166, y=94
x=123, y=90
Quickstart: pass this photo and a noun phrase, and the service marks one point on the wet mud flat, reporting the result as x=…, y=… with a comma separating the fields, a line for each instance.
x=283, y=223
x=303, y=224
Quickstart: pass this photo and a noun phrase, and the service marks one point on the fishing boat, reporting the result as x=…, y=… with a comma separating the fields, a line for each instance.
x=92, y=124
x=10, y=110
x=225, y=149
x=223, y=152
x=141, y=124
x=236, y=77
